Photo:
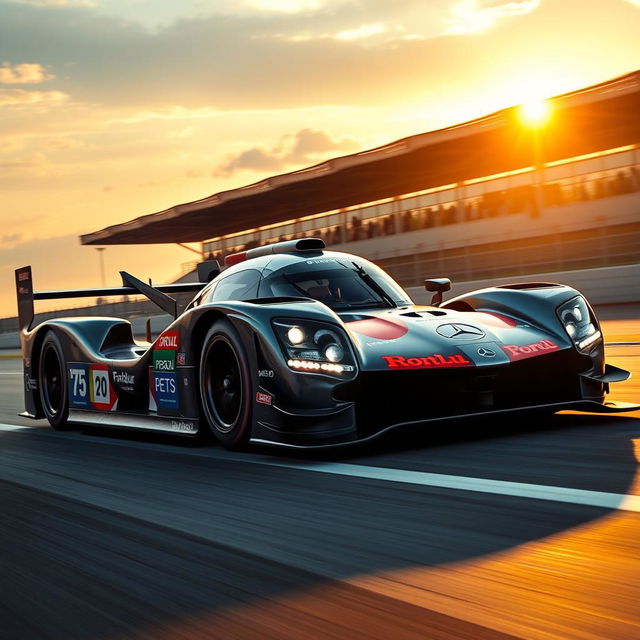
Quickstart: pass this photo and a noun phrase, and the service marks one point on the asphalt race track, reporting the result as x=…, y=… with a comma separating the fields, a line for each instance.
x=516, y=529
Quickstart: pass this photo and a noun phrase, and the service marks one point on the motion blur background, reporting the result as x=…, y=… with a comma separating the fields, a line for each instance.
x=107, y=116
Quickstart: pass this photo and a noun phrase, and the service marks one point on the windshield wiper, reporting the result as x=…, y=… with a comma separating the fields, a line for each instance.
x=368, y=280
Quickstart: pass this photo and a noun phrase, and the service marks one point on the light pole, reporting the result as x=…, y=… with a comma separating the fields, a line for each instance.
x=101, y=251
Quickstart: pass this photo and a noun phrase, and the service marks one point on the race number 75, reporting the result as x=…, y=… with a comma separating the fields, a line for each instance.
x=78, y=383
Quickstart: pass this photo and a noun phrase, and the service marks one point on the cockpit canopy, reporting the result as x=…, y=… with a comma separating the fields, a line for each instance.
x=341, y=281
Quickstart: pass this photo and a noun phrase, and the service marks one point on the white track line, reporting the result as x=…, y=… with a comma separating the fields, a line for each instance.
x=10, y=373
x=605, y=500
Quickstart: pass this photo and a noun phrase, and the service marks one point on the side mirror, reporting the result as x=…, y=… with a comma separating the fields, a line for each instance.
x=439, y=285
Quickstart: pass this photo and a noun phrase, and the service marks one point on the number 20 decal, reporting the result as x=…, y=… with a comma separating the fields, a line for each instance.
x=100, y=386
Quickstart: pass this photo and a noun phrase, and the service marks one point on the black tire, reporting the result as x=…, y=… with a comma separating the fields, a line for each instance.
x=52, y=382
x=225, y=386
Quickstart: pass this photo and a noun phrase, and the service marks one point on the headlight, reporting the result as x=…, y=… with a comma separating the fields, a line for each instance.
x=579, y=323
x=314, y=346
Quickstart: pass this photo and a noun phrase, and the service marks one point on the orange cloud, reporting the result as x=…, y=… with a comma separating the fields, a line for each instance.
x=22, y=98
x=25, y=73
x=474, y=16
x=58, y=3
x=35, y=164
x=304, y=147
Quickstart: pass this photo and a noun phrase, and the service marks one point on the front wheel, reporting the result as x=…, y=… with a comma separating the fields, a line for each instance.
x=52, y=381
x=225, y=386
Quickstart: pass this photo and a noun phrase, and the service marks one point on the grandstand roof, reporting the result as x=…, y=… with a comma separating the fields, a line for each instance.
x=600, y=117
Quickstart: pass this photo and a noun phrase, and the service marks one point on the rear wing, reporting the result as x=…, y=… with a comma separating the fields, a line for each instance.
x=131, y=286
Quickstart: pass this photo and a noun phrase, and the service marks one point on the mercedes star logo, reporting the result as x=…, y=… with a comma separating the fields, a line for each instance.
x=486, y=353
x=460, y=332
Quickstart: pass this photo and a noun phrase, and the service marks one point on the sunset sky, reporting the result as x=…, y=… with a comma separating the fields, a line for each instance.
x=111, y=109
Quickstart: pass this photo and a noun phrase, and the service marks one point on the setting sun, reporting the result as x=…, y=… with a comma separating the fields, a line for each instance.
x=535, y=113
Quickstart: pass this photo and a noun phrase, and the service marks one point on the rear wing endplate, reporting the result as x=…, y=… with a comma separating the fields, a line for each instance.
x=132, y=286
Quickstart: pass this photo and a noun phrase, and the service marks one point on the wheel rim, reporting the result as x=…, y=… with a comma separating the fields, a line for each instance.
x=52, y=386
x=223, y=384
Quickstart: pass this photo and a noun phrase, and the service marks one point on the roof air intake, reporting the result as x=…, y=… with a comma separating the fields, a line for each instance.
x=289, y=246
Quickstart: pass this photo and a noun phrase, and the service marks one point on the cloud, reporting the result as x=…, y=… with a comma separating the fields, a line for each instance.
x=284, y=6
x=635, y=3
x=242, y=60
x=474, y=16
x=304, y=147
x=255, y=159
x=63, y=143
x=10, y=239
x=23, y=98
x=25, y=73
x=364, y=31
x=35, y=164
x=64, y=4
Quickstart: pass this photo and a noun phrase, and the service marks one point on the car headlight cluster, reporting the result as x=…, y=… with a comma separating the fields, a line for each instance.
x=314, y=346
x=579, y=323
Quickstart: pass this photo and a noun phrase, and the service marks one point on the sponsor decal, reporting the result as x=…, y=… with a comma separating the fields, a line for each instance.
x=460, y=331
x=30, y=384
x=23, y=291
x=181, y=425
x=164, y=360
x=165, y=388
x=125, y=380
x=433, y=361
x=23, y=275
x=90, y=387
x=265, y=373
x=321, y=261
x=264, y=398
x=79, y=385
x=101, y=394
x=181, y=358
x=27, y=363
x=486, y=353
x=516, y=352
x=168, y=340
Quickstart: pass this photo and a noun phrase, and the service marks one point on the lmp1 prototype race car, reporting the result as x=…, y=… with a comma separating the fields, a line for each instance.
x=300, y=346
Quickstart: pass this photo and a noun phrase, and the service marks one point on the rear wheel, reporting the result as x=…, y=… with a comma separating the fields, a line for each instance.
x=225, y=386
x=52, y=381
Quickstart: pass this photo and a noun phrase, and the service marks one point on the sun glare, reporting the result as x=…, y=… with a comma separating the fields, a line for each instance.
x=535, y=112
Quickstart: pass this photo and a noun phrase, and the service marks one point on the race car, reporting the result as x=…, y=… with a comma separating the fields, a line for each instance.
x=298, y=346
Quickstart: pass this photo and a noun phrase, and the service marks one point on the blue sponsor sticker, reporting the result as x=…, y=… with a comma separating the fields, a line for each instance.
x=166, y=390
x=79, y=385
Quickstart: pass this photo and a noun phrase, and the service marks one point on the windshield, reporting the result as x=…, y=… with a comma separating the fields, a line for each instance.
x=338, y=284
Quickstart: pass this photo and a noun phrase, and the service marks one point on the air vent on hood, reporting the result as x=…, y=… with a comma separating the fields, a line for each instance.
x=528, y=285
x=415, y=314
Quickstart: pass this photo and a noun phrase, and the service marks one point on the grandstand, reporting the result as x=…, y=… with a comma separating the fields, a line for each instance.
x=482, y=199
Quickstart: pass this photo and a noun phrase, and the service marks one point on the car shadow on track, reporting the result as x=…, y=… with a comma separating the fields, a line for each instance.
x=197, y=538
x=467, y=430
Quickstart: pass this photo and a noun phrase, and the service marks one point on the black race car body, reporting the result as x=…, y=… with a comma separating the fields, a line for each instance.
x=300, y=346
